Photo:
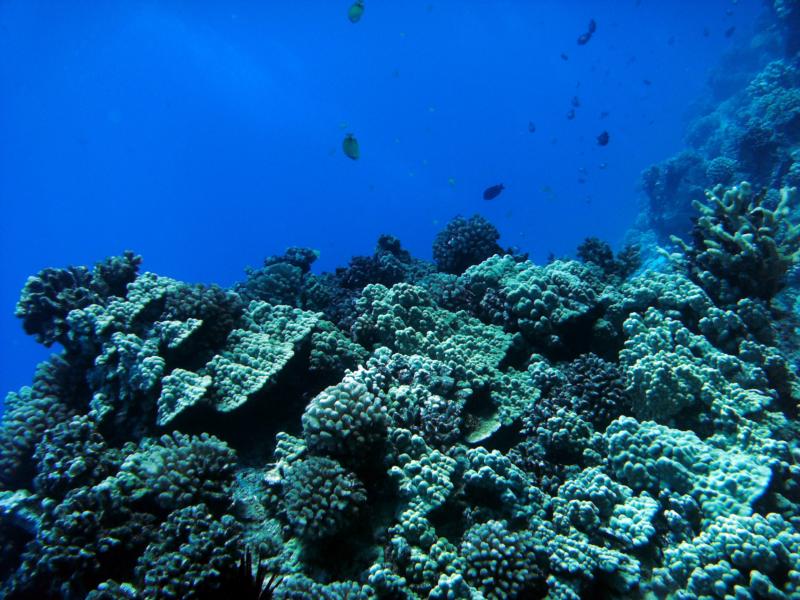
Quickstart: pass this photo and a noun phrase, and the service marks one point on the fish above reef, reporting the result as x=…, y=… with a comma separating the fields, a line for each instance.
x=350, y=147
x=355, y=11
x=493, y=192
x=603, y=139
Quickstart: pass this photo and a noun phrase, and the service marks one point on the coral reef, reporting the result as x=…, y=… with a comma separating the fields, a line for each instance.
x=750, y=134
x=475, y=427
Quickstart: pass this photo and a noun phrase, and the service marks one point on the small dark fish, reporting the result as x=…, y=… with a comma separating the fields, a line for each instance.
x=646, y=81
x=581, y=180
x=350, y=147
x=706, y=32
x=571, y=114
x=604, y=114
x=355, y=11
x=603, y=139
x=564, y=56
x=584, y=38
x=729, y=31
x=576, y=102
x=493, y=192
x=531, y=127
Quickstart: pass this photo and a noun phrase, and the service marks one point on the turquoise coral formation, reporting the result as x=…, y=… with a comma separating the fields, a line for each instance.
x=512, y=430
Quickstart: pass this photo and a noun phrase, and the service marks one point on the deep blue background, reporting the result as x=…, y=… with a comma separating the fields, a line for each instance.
x=207, y=135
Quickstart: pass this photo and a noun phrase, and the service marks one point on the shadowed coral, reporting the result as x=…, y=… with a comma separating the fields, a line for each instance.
x=25, y=420
x=48, y=297
x=465, y=242
x=72, y=454
x=322, y=498
x=192, y=556
x=498, y=562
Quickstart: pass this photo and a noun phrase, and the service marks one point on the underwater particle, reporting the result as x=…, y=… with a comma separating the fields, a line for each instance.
x=355, y=11
x=671, y=40
x=350, y=147
x=531, y=127
x=730, y=31
x=451, y=181
x=584, y=38
x=706, y=32
x=602, y=165
x=493, y=192
x=603, y=139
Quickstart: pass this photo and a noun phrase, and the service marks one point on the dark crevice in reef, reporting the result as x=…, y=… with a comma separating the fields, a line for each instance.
x=250, y=429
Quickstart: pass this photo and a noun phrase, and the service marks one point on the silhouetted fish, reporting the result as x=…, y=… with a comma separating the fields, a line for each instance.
x=355, y=11
x=564, y=56
x=603, y=139
x=585, y=37
x=350, y=147
x=729, y=31
x=571, y=114
x=531, y=127
x=576, y=102
x=493, y=192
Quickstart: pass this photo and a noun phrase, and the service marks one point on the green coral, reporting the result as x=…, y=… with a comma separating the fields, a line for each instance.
x=345, y=420
x=651, y=457
x=670, y=371
x=405, y=319
x=755, y=556
x=742, y=248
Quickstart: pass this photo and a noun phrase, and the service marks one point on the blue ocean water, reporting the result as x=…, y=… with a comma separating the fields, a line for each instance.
x=206, y=136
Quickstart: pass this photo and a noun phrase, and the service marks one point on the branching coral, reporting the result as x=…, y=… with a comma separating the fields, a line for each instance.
x=741, y=248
